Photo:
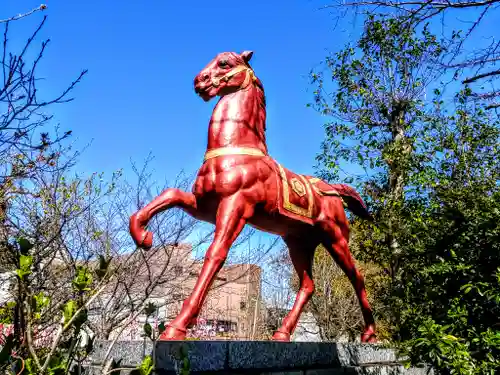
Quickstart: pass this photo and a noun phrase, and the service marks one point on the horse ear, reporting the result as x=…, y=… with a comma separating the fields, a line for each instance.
x=246, y=56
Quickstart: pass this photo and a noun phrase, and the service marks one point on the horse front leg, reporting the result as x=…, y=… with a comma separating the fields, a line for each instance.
x=232, y=215
x=169, y=198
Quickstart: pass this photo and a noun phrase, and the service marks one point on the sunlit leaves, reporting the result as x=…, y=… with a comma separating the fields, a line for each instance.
x=69, y=311
x=376, y=83
x=82, y=280
x=25, y=263
x=431, y=175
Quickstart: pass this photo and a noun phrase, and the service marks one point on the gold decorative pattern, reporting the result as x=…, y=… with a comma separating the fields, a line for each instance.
x=286, y=197
x=224, y=151
x=331, y=192
x=298, y=187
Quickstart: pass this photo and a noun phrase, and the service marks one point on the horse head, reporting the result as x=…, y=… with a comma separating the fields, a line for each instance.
x=226, y=73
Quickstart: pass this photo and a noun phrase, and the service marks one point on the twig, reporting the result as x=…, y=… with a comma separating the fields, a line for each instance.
x=63, y=327
x=480, y=76
x=493, y=106
x=134, y=316
x=29, y=339
x=435, y=4
x=22, y=15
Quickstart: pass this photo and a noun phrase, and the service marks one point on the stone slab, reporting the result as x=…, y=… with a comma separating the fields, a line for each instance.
x=259, y=357
x=370, y=370
x=203, y=355
x=277, y=355
x=364, y=354
x=131, y=353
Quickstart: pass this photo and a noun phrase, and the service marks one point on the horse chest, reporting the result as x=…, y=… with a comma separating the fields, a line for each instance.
x=225, y=176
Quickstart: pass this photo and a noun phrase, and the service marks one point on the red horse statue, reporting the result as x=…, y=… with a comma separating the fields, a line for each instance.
x=239, y=183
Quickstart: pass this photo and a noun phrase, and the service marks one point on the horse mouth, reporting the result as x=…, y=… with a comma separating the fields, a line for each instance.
x=202, y=91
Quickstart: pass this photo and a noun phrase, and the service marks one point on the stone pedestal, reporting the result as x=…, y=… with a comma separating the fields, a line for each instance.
x=259, y=357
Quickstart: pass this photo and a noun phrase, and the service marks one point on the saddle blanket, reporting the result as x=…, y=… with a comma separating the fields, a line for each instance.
x=296, y=194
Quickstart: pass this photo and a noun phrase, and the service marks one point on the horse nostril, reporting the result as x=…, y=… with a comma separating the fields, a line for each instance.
x=206, y=77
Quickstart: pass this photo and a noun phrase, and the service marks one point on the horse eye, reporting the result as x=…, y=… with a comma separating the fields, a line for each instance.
x=222, y=63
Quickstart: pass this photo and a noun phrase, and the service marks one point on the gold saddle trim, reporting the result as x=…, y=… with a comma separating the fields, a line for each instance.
x=301, y=188
x=331, y=192
x=298, y=187
x=224, y=151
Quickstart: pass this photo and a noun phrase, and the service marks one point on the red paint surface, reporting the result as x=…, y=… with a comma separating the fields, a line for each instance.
x=231, y=191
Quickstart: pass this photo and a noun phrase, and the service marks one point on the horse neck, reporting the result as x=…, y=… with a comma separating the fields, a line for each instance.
x=239, y=120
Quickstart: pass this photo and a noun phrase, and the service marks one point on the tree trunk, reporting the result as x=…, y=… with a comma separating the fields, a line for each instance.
x=401, y=149
x=397, y=172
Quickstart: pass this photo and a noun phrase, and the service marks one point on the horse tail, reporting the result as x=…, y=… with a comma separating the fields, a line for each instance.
x=353, y=201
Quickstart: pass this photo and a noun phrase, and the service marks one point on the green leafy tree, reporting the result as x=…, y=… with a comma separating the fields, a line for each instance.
x=432, y=178
x=473, y=52
x=449, y=288
x=377, y=105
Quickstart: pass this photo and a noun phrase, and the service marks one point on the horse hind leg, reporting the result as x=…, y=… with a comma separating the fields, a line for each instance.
x=336, y=242
x=169, y=198
x=301, y=254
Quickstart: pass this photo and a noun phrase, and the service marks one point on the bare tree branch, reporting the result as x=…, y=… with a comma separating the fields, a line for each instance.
x=481, y=76
x=481, y=66
x=418, y=5
x=42, y=7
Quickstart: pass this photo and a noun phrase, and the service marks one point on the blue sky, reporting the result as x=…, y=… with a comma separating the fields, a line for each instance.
x=142, y=57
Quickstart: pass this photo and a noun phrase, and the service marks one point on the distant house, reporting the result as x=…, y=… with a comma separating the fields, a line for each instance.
x=166, y=276
x=7, y=280
x=232, y=309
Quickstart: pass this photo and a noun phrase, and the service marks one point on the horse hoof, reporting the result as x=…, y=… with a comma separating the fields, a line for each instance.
x=369, y=335
x=173, y=334
x=142, y=238
x=147, y=240
x=368, y=339
x=281, y=336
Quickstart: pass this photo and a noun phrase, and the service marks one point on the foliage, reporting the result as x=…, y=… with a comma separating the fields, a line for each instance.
x=473, y=52
x=432, y=179
x=147, y=366
x=377, y=106
x=380, y=83
x=449, y=290
x=451, y=308
x=66, y=353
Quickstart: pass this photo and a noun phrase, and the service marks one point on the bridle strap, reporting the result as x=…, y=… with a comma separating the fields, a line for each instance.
x=249, y=77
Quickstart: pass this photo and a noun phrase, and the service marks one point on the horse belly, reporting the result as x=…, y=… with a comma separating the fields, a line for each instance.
x=278, y=224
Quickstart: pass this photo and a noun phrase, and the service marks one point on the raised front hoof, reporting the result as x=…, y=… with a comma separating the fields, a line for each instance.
x=173, y=334
x=281, y=336
x=369, y=336
x=141, y=237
